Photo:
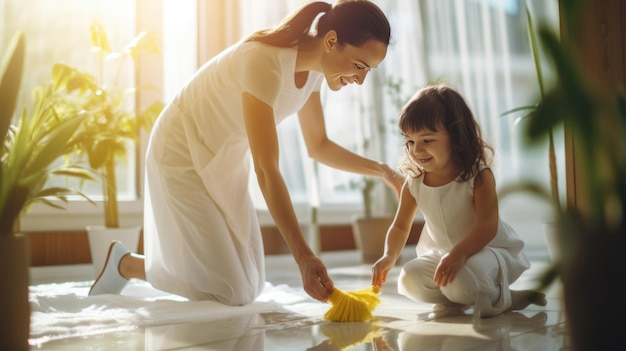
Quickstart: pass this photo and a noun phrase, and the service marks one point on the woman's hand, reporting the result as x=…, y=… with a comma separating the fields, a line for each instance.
x=315, y=279
x=380, y=270
x=393, y=179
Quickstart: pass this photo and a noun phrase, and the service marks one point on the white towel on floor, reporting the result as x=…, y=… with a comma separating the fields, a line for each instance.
x=63, y=310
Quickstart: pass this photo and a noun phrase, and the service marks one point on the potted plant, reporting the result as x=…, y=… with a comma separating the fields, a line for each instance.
x=370, y=228
x=591, y=233
x=527, y=111
x=28, y=151
x=112, y=128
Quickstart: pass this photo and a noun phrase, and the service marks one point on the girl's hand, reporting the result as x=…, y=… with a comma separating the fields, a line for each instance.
x=448, y=268
x=380, y=270
x=315, y=279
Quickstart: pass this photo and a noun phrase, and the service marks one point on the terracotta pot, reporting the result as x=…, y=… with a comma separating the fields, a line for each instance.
x=369, y=236
x=14, y=304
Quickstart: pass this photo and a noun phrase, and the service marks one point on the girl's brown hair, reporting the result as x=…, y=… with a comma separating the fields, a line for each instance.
x=355, y=21
x=439, y=106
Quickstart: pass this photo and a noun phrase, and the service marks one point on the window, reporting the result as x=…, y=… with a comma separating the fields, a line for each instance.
x=478, y=46
x=58, y=31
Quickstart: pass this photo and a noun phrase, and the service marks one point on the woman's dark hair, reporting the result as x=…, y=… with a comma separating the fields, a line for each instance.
x=438, y=106
x=355, y=21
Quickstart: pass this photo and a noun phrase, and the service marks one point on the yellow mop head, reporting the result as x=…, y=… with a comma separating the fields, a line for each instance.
x=353, y=306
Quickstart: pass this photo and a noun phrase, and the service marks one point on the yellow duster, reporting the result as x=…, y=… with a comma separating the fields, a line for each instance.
x=352, y=306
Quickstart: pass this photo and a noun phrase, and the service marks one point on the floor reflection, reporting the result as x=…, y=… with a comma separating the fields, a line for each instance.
x=452, y=333
x=344, y=336
x=238, y=333
x=283, y=331
x=400, y=325
x=466, y=333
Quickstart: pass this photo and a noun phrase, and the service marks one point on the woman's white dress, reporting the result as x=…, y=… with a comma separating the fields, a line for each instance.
x=449, y=215
x=202, y=237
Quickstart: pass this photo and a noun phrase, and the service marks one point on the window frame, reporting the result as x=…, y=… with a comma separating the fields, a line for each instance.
x=80, y=214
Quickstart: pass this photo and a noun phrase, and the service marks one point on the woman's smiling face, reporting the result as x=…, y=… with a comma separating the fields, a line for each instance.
x=348, y=64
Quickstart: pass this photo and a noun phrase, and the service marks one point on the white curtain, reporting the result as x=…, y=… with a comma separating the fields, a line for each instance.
x=480, y=47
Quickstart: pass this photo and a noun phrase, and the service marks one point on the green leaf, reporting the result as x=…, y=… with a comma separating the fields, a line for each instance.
x=534, y=49
x=530, y=187
x=546, y=116
x=143, y=42
x=70, y=78
x=74, y=172
x=100, y=151
x=99, y=39
x=571, y=81
x=54, y=191
x=518, y=109
x=10, y=81
x=548, y=277
x=55, y=145
x=51, y=203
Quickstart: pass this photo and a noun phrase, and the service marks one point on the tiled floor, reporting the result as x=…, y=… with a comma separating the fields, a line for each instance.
x=400, y=324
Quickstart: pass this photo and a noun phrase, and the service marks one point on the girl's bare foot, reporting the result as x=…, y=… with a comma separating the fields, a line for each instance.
x=521, y=299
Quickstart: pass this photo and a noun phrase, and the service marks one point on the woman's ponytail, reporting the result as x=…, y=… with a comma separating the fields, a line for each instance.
x=294, y=28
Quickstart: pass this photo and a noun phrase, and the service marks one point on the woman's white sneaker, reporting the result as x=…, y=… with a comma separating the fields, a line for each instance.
x=110, y=281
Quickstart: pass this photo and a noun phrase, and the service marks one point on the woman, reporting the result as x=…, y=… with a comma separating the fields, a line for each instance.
x=202, y=236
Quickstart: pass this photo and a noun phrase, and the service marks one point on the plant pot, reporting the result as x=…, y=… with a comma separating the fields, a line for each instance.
x=369, y=236
x=100, y=238
x=14, y=304
x=592, y=271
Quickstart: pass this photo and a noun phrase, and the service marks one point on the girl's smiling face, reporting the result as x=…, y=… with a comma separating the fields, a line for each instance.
x=431, y=150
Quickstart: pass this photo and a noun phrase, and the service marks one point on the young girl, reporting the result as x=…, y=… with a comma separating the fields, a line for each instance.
x=466, y=255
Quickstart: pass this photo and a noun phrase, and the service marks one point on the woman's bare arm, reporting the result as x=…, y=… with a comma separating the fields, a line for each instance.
x=263, y=139
x=324, y=150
